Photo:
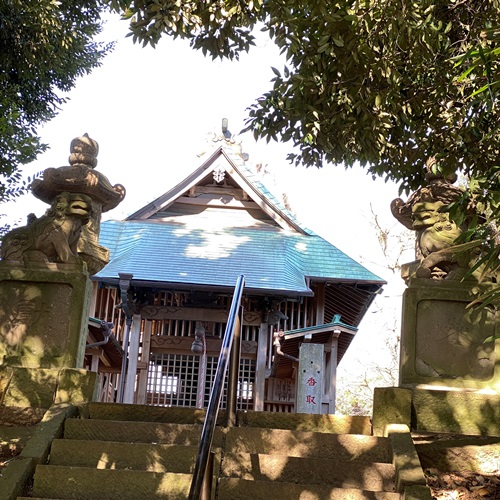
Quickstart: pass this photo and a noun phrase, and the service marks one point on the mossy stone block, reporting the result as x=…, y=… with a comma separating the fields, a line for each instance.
x=467, y=455
x=19, y=416
x=391, y=405
x=89, y=484
x=76, y=386
x=405, y=457
x=50, y=428
x=335, y=424
x=417, y=492
x=454, y=411
x=146, y=413
x=33, y=387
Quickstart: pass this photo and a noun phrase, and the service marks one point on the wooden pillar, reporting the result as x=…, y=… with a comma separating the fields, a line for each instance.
x=142, y=383
x=93, y=299
x=199, y=336
x=95, y=363
x=234, y=370
x=260, y=369
x=133, y=355
x=319, y=297
x=331, y=373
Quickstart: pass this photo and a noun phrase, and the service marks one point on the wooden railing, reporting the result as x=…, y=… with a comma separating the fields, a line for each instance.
x=200, y=486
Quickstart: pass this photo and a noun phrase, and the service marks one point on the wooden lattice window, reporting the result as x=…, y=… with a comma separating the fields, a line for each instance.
x=246, y=382
x=173, y=381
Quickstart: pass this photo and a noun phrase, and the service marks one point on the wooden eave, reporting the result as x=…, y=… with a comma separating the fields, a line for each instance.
x=217, y=289
x=256, y=198
x=166, y=199
x=313, y=330
x=319, y=334
x=110, y=353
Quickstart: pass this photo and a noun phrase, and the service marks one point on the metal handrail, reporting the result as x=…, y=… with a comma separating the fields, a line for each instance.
x=208, y=430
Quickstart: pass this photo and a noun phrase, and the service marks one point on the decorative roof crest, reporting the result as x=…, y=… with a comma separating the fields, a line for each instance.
x=219, y=174
x=226, y=138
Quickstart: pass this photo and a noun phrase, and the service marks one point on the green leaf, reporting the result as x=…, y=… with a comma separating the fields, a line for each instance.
x=338, y=41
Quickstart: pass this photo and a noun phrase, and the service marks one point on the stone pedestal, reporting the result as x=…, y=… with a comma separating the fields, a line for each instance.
x=43, y=315
x=443, y=342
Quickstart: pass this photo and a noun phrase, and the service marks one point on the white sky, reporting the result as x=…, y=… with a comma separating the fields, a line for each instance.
x=151, y=109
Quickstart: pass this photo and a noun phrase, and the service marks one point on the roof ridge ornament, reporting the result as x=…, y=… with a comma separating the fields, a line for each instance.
x=227, y=139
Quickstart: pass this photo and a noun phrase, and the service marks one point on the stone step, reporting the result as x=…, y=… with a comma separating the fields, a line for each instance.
x=309, y=444
x=144, y=413
x=81, y=483
x=335, y=424
x=135, y=432
x=241, y=489
x=118, y=455
x=275, y=468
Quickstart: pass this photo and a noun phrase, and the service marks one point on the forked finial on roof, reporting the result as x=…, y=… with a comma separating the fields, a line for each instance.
x=226, y=138
x=225, y=131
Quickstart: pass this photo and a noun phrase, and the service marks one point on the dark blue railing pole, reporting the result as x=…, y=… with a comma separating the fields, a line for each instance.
x=207, y=432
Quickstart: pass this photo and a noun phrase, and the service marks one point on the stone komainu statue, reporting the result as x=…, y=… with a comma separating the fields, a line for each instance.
x=425, y=212
x=52, y=237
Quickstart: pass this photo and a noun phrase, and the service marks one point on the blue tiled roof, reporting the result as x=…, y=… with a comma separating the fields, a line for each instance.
x=257, y=184
x=270, y=260
x=196, y=252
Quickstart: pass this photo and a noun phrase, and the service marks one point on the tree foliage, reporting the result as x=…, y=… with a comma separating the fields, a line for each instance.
x=45, y=45
x=374, y=81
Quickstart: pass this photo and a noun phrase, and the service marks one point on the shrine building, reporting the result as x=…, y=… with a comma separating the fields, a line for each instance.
x=179, y=258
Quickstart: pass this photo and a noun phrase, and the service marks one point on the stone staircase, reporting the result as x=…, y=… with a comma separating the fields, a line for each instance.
x=132, y=452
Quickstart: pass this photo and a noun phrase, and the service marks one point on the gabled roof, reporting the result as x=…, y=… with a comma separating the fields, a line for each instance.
x=232, y=163
x=216, y=224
